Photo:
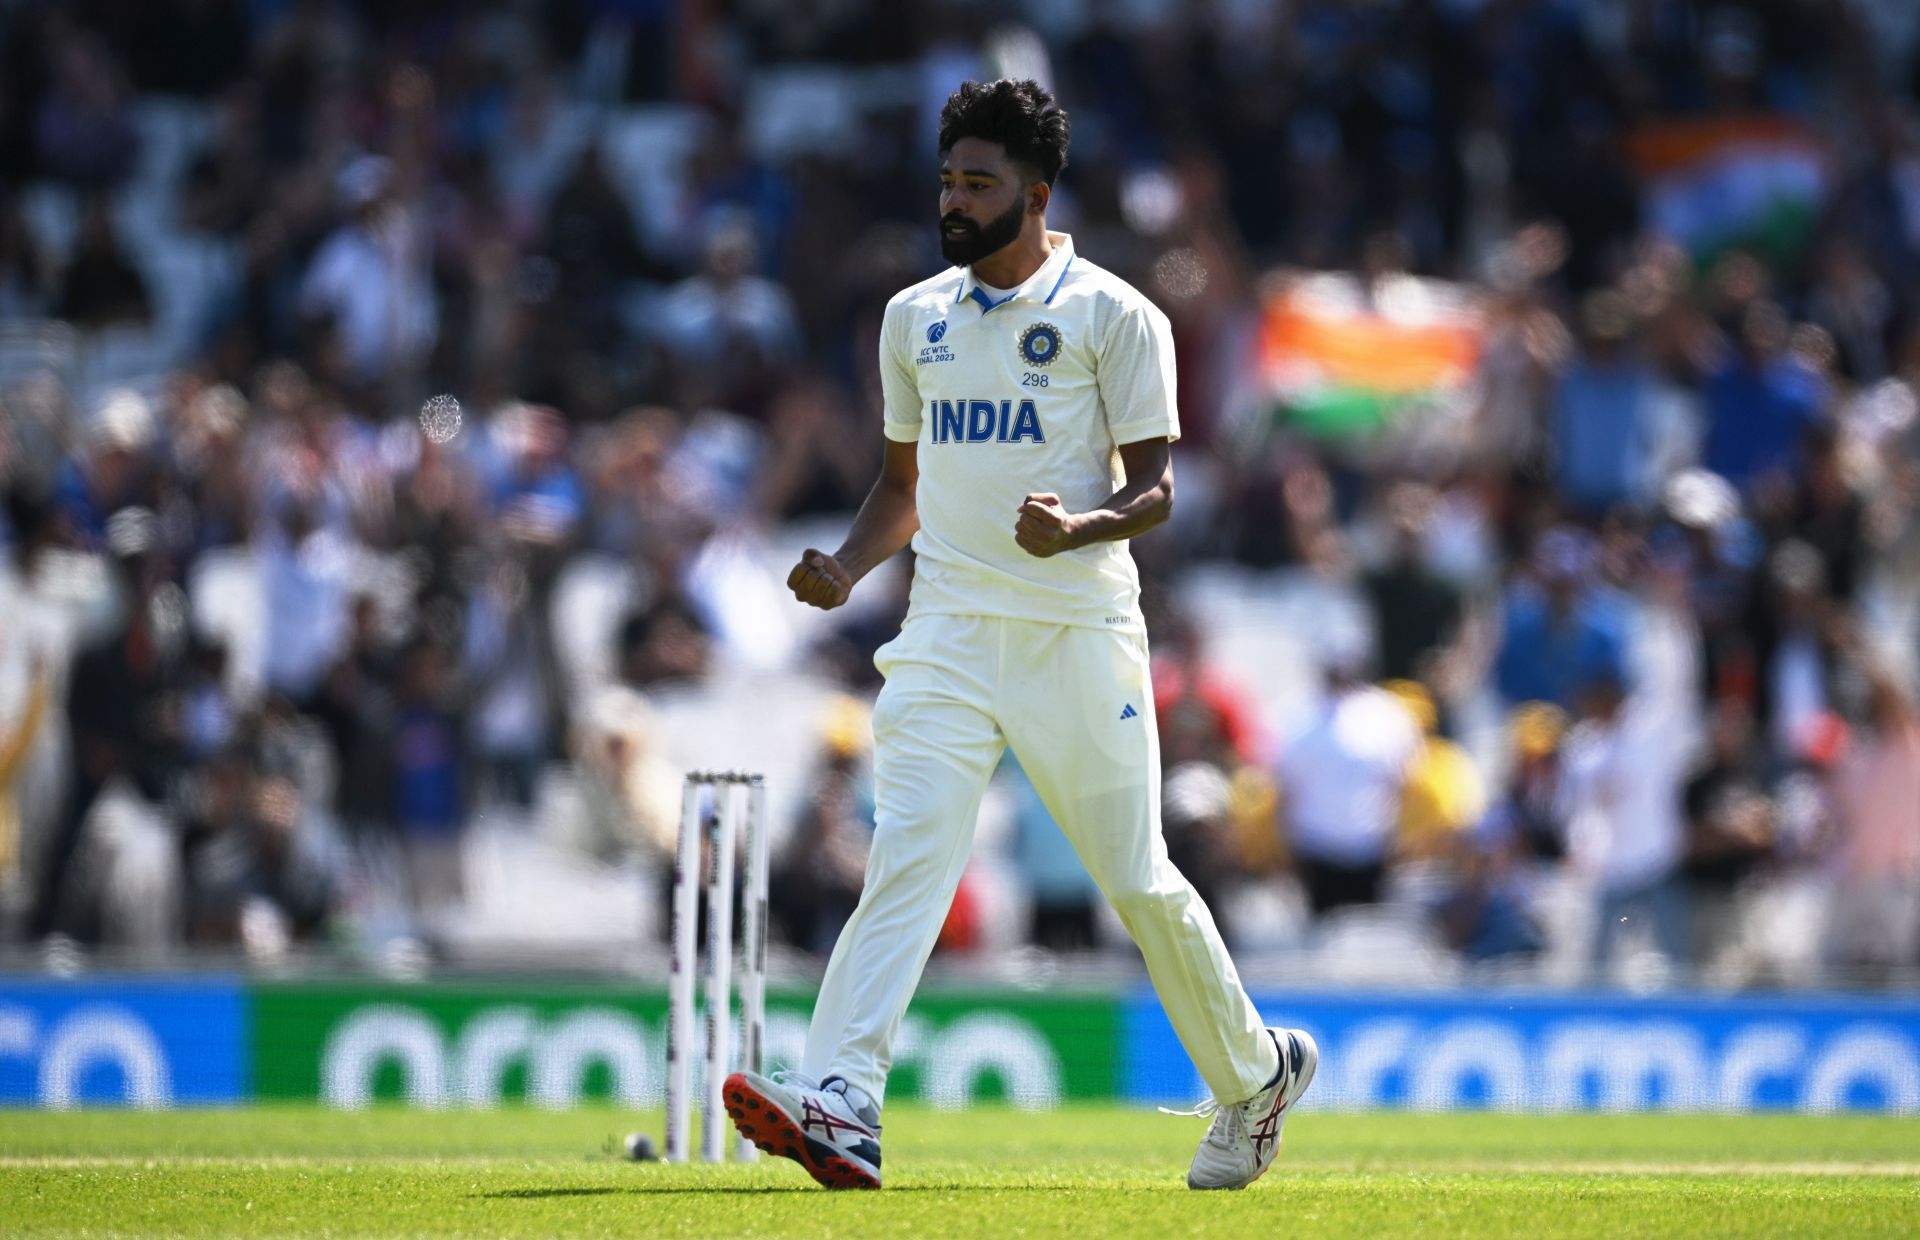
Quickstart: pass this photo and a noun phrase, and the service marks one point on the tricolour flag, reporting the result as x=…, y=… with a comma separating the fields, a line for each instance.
x=1344, y=357
x=1753, y=181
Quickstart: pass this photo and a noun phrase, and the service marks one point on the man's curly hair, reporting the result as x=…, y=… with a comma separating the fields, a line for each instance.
x=1020, y=116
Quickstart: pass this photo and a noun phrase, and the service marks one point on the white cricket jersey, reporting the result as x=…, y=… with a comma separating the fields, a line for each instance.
x=1031, y=393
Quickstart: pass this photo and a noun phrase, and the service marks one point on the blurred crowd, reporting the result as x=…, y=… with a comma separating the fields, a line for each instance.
x=1603, y=651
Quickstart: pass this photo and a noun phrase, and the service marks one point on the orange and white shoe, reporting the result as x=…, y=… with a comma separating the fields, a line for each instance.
x=829, y=1127
x=1244, y=1136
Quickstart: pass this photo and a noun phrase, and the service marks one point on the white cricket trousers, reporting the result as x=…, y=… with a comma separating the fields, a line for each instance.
x=959, y=689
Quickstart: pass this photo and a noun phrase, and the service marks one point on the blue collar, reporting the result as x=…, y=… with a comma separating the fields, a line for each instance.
x=980, y=295
x=1060, y=261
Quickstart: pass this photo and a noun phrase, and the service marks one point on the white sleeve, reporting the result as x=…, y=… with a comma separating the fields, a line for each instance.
x=897, y=384
x=1136, y=376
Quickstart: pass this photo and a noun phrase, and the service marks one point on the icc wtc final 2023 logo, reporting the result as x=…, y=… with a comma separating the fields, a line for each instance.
x=1040, y=344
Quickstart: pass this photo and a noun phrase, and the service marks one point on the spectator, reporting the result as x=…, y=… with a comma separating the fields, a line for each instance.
x=1444, y=795
x=25, y=281
x=536, y=494
x=1531, y=818
x=85, y=124
x=1560, y=631
x=207, y=720
x=1795, y=653
x=261, y=872
x=36, y=643
x=726, y=181
x=294, y=871
x=214, y=802
x=114, y=470
x=1203, y=715
x=354, y=705
x=1509, y=897
x=817, y=460
x=369, y=281
x=541, y=148
x=429, y=765
x=1729, y=837
x=101, y=287
x=666, y=644
x=729, y=332
x=1625, y=766
x=597, y=253
x=641, y=504
x=508, y=660
x=631, y=794
x=1828, y=514
x=541, y=508
x=18, y=737
x=1196, y=811
x=1488, y=914
x=306, y=570
x=1603, y=414
x=1760, y=402
x=1876, y=859
x=1064, y=900
x=1852, y=302
x=818, y=877
x=1341, y=784
x=1417, y=613
x=119, y=698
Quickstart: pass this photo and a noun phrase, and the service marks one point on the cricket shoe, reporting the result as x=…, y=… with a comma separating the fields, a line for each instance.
x=829, y=1127
x=1244, y=1137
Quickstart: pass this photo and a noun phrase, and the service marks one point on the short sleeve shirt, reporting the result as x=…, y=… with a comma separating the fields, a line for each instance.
x=1031, y=392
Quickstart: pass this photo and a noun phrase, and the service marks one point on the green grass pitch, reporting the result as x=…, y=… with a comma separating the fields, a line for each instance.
x=1087, y=1171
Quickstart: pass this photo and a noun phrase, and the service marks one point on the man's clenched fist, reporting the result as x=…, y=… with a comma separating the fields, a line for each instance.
x=819, y=581
x=1044, y=527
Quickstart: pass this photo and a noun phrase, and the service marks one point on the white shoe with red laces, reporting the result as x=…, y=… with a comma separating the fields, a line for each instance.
x=829, y=1127
x=1245, y=1136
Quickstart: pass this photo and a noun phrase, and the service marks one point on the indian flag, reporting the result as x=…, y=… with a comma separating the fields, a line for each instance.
x=1344, y=357
x=1754, y=181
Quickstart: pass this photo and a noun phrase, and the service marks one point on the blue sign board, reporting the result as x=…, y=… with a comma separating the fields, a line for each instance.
x=130, y=1043
x=1575, y=1052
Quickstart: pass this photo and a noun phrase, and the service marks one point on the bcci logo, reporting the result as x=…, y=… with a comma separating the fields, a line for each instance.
x=1039, y=344
x=935, y=332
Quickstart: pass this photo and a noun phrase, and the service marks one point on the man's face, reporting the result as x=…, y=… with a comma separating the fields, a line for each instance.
x=983, y=201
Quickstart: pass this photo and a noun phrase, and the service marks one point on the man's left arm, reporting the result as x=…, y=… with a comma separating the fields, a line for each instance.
x=1139, y=398
x=1145, y=500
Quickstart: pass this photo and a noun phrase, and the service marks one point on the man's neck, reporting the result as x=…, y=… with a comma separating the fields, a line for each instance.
x=1014, y=264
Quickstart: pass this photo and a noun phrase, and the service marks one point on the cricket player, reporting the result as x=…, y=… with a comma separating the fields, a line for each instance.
x=1029, y=422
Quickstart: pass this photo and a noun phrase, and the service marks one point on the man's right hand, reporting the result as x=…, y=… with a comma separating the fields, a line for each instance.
x=819, y=581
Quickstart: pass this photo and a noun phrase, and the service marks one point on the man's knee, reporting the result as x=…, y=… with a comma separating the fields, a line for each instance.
x=907, y=848
x=1144, y=903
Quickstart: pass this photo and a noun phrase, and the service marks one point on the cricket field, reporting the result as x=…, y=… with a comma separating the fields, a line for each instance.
x=989, y=1172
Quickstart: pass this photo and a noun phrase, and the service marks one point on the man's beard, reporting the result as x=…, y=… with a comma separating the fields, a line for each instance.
x=980, y=241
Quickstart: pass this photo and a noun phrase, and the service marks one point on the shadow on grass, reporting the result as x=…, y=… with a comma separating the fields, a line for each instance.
x=540, y=1194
